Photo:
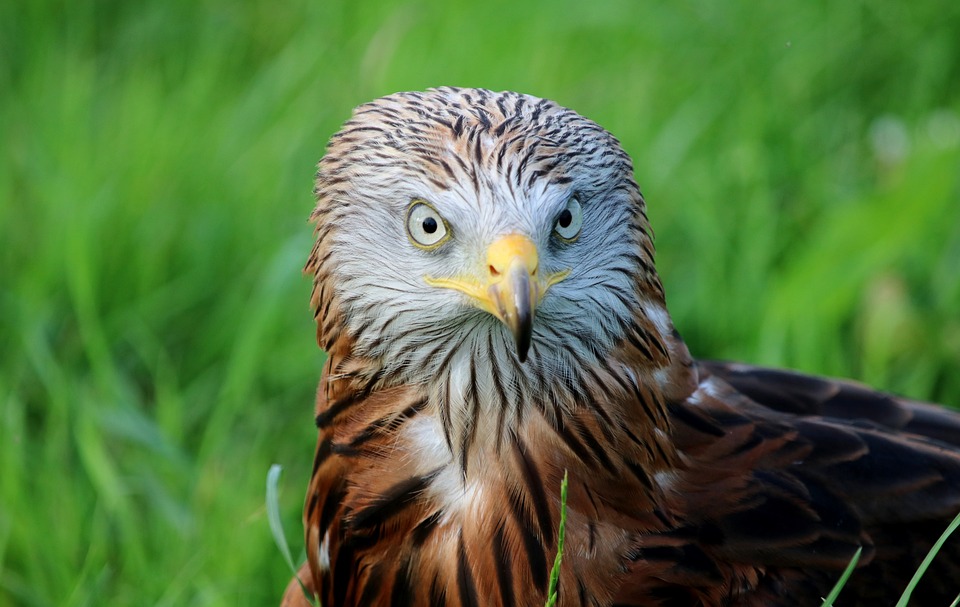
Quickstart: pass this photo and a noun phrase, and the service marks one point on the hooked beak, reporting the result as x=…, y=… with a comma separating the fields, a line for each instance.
x=512, y=287
x=513, y=290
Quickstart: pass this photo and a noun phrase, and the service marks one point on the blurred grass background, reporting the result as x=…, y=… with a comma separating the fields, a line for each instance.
x=801, y=162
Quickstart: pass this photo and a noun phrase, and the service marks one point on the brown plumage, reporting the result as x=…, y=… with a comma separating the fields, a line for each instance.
x=485, y=291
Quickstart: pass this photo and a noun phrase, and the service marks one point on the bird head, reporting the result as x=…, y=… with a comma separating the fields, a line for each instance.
x=499, y=228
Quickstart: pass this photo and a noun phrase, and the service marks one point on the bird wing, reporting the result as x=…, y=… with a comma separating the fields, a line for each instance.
x=784, y=477
x=806, y=395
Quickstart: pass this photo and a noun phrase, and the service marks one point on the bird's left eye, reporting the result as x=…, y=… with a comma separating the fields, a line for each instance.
x=425, y=227
x=569, y=221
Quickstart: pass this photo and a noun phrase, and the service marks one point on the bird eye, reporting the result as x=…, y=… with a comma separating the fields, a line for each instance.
x=425, y=227
x=569, y=221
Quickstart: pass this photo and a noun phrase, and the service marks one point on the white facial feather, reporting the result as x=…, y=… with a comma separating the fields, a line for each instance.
x=484, y=188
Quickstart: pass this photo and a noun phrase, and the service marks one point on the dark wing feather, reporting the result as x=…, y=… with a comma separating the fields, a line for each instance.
x=806, y=395
x=786, y=475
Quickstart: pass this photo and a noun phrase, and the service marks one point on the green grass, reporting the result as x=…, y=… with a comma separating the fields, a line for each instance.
x=922, y=569
x=912, y=584
x=835, y=592
x=280, y=536
x=156, y=351
x=553, y=589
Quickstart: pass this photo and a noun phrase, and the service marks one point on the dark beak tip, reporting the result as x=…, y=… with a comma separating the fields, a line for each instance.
x=517, y=314
x=523, y=337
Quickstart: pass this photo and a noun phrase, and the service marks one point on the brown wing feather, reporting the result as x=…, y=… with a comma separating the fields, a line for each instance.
x=777, y=495
x=805, y=395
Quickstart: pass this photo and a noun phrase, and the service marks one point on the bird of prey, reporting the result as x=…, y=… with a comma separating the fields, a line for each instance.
x=485, y=290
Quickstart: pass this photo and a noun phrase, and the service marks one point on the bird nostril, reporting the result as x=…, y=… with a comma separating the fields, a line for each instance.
x=494, y=271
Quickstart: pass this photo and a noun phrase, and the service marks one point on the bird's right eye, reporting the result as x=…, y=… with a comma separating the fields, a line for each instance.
x=425, y=227
x=570, y=220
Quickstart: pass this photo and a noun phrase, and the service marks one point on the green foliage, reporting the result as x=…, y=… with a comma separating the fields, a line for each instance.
x=553, y=588
x=835, y=592
x=156, y=350
x=922, y=569
x=276, y=528
x=274, y=517
x=918, y=574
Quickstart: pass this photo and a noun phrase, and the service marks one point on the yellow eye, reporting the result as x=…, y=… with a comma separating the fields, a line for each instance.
x=569, y=221
x=425, y=227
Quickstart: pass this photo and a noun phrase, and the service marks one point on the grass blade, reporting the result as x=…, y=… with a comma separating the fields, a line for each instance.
x=276, y=528
x=552, y=594
x=273, y=514
x=828, y=602
x=905, y=598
